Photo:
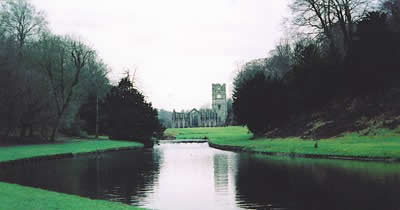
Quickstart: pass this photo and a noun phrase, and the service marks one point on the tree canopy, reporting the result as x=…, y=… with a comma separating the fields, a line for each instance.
x=129, y=116
x=51, y=84
x=353, y=51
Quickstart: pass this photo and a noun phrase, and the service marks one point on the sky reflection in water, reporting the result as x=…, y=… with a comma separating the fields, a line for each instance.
x=194, y=176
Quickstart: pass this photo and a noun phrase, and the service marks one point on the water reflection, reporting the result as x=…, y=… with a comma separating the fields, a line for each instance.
x=316, y=184
x=221, y=173
x=194, y=176
x=119, y=176
x=191, y=178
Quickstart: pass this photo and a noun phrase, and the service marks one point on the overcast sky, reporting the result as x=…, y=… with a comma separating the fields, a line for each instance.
x=178, y=47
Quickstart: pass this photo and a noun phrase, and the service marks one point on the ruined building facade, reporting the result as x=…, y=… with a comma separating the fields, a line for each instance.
x=205, y=117
x=219, y=103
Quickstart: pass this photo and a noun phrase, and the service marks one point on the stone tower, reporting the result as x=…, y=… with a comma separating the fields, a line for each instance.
x=219, y=102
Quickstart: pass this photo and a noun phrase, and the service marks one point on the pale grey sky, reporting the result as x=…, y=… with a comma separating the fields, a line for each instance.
x=179, y=47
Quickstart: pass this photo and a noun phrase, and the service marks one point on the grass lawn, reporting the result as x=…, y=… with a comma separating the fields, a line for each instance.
x=14, y=196
x=81, y=146
x=200, y=133
x=384, y=144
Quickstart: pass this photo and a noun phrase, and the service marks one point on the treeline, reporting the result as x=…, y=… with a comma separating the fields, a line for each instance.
x=345, y=49
x=52, y=84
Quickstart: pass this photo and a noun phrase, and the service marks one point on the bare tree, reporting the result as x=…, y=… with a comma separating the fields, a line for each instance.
x=97, y=84
x=63, y=59
x=279, y=62
x=392, y=7
x=43, y=77
x=21, y=19
x=9, y=87
x=325, y=17
x=34, y=100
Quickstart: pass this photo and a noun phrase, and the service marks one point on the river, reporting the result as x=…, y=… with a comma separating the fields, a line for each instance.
x=195, y=176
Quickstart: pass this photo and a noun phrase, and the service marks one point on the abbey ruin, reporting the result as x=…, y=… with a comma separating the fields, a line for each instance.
x=216, y=116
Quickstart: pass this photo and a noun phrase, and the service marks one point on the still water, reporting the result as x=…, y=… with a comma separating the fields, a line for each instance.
x=195, y=176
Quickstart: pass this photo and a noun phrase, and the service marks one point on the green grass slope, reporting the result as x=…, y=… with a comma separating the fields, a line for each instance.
x=27, y=151
x=384, y=144
x=17, y=197
x=14, y=196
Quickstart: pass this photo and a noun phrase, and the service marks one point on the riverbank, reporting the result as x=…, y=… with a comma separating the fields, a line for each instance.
x=383, y=146
x=14, y=196
x=60, y=150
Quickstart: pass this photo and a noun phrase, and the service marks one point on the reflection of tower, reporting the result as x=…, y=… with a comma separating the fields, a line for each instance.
x=219, y=102
x=221, y=178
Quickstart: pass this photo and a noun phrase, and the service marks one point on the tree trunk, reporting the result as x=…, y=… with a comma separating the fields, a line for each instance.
x=7, y=133
x=97, y=116
x=44, y=132
x=31, y=130
x=54, y=131
x=23, y=131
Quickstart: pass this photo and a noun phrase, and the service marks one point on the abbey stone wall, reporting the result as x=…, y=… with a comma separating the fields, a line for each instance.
x=206, y=117
x=219, y=104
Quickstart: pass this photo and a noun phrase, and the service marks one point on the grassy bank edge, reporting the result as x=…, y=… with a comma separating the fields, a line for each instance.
x=68, y=149
x=13, y=196
x=300, y=155
x=383, y=146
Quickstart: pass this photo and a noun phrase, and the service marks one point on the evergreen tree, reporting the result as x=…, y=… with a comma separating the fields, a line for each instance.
x=129, y=116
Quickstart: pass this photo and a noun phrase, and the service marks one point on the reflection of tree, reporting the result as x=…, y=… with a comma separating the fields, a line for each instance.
x=280, y=183
x=122, y=176
x=221, y=178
